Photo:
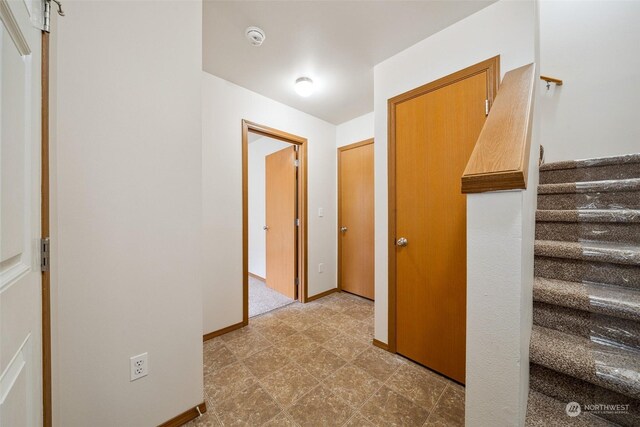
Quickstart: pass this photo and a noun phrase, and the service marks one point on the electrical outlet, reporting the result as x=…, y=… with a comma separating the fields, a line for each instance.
x=139, y=366
x=320, y=267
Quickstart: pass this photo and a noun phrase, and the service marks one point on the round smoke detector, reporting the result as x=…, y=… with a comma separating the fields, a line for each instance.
x=255, y=36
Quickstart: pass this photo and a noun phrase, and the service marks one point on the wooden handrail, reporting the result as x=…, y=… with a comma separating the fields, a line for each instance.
x=547, y=79
x=500, y=159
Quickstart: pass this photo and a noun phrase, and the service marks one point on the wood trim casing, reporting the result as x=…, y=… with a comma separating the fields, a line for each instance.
x=47, y=414
x=248, y=126
x=340, y=150
x=500, y=158
x=230, y=328
x=492, y=67
x=186, y=416
x=356, y=145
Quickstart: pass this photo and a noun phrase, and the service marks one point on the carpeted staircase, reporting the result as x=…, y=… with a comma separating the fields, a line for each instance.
x=585, y=343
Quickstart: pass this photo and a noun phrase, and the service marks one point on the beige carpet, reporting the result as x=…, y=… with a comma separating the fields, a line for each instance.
x=263, y=299
x=586, y=294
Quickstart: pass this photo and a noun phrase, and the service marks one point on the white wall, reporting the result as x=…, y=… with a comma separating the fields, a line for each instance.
x=355, y=130
x=258, y=150
x=127, y=219
x=500, y=236
x=506, y=28
x=224, y=106
x=593, y=47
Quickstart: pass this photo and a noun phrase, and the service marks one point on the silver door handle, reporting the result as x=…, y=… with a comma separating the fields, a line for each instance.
x=265, y=228
x=402, y=242
x=343, y=229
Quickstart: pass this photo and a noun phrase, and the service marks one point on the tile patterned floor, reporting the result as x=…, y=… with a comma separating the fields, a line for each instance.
x=314, y=365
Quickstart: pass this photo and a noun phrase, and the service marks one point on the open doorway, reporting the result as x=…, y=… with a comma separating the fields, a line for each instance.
x=272, y=230
x=274, y=219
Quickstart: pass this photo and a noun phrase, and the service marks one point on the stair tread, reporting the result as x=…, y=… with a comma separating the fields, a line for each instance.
x=589, y=251
x=612, y=367
x=589, y=215
x=569, y=389
x=598, y=298
x=587, y=307
x=594, y=326
x=604, y=186
x=585, y=163
x=543, y=411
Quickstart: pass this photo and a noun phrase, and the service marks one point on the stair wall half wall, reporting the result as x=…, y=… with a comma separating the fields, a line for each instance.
x=500, y=241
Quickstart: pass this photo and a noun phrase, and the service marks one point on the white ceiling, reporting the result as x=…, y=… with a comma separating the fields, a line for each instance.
x=336, y=43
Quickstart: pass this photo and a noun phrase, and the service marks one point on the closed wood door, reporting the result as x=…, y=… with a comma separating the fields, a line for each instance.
x=280, y=177
x=21, y=378
x=356, y=234
x=435, y=134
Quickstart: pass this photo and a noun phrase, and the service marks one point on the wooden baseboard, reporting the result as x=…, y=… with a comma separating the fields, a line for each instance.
x=380, y=344
x=357, y=295
x=255, y=276
x=321, y=294
x=186, y=416
x=223, y=331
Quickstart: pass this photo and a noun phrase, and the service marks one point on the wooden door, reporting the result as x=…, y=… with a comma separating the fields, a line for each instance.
x=356, y=233
x=20, y=229
x=434, y=136
x=280, y=177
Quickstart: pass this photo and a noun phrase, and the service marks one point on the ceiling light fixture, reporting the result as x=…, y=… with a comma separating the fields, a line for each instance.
x=304, y=86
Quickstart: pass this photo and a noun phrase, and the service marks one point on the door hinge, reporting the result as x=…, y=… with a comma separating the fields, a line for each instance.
x=45, y=254
x=296, y=163
x=297, y=281
x=486, y=107
x=46, y=14
x=297, y=222
x=46, y=17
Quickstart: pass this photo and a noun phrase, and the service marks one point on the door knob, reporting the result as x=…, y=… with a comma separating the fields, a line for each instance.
x=402, y=242
x=343, y=229
x=265, y=228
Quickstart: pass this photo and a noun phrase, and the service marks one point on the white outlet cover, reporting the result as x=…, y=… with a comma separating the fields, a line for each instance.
x=139, y=366
x=320, y=212
x=320, y=267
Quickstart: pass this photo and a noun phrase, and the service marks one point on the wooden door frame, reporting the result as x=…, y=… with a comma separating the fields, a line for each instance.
x=302, y=261
x=340, y=150
x=47, y=418
x=492, y=68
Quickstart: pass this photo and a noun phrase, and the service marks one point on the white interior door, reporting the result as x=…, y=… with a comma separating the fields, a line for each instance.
x=20, y=199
